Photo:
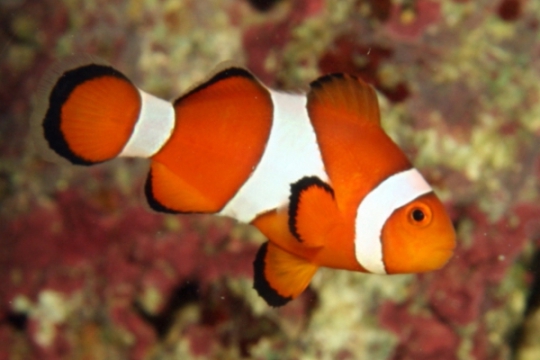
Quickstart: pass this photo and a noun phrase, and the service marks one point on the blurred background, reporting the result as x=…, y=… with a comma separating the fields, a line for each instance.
x=88, y=272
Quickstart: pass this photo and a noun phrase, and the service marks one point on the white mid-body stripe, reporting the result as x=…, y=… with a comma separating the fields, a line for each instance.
x=290, y=154
x=152, y=129
x=393, y=193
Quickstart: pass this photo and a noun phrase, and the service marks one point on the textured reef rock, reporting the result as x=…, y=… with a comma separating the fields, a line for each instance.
x=87, y=271
x=79, y=260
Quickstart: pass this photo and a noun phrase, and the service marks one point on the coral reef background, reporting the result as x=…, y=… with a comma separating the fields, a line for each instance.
x=88, y=272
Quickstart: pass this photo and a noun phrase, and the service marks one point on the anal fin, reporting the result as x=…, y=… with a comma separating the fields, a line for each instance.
x=280, y=276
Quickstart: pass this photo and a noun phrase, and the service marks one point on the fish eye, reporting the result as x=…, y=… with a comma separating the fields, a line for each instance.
x=419, y=214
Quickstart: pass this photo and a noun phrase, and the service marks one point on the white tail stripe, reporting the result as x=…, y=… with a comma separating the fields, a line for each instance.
x=152, y=129
x=290, y=154
x=393, y=193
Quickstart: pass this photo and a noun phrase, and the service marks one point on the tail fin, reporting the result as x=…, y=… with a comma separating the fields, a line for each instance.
x=87, y=112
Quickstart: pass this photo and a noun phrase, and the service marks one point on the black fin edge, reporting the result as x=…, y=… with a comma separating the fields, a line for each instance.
x=318, y=83
x=260, y=283
x=221, y=75
x=294, y=199
x=60, y=93
x=152, y=201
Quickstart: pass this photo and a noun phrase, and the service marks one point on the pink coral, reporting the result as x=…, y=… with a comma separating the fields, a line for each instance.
x=420, y=336
x=83, y=243
x=261, y=40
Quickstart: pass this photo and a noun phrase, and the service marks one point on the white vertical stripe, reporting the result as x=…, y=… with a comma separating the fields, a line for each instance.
x=290, y=154
x=393, y=193
x=152, y=129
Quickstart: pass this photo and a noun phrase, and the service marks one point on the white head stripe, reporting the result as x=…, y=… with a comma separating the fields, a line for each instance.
x=290, y=154
x=152, y=129
x=376, y=208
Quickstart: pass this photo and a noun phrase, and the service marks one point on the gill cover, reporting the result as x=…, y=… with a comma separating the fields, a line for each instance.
x=418, y=237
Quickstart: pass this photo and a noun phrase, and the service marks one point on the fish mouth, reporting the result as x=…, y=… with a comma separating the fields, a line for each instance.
x=444, y=254
x=446, y=249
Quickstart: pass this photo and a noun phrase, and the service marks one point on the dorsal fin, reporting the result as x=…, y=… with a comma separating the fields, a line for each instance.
x=346, y=95
x=221, y=130
x=356, y=151
x=226, y=78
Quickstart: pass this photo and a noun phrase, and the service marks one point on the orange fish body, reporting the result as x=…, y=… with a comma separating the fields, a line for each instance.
x=314, y=172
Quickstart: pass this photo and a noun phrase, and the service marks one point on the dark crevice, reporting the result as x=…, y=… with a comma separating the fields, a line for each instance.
x=233, y=319
x=532, y=305
x=185, y=294
x=510, y=10
x=263, y=5
x=18, y=321
x=533, y=300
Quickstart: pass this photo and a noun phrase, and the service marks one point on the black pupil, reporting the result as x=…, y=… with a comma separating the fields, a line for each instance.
x=418, y=215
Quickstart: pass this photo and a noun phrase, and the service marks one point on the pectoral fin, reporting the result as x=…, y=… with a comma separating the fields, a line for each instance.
x=312, y=211
x=279, y=275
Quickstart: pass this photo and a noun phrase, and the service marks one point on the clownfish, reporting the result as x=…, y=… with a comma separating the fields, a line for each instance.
x=314, y=172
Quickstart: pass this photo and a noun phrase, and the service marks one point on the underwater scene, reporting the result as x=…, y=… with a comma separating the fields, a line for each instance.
x=260, y=111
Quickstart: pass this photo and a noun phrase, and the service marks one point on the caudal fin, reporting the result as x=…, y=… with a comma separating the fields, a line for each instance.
x=89, y=112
